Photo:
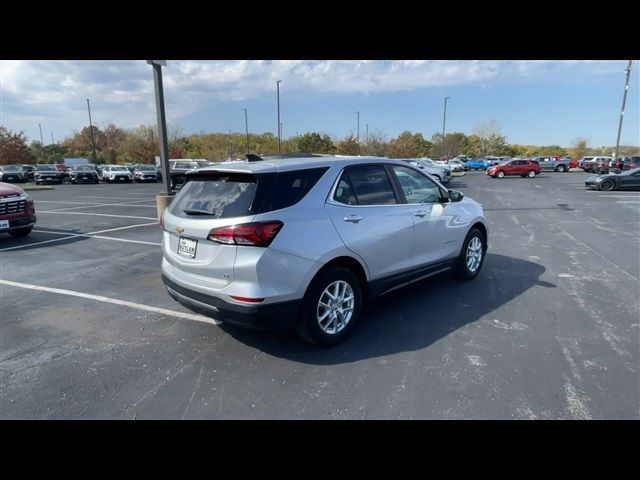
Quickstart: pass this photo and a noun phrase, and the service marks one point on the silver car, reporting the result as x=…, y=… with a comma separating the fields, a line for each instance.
x=303, y=242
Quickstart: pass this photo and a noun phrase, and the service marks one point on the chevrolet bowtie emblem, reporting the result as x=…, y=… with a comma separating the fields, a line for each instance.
x=179, y=229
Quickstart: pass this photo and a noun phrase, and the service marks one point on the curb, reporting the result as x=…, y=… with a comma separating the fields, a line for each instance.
x=37, y=187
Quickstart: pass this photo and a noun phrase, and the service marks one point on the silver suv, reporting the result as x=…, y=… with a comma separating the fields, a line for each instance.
x=302, y=242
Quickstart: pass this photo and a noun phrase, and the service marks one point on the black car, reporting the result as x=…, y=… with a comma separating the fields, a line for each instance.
x=12, y=173
x=629, y=180
x=178, y=169
x=83, y=174
x=48, y=173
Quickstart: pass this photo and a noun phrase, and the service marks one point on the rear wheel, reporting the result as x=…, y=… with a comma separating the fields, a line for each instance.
x=21, y=232
x=607, y=185
x=331, y=307
x=471, y=256
x=531, y=174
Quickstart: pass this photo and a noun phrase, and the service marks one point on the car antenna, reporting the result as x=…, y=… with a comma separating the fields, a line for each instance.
x=253, y=158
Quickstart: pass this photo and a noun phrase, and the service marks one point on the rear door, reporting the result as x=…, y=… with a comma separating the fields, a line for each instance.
x=366, y=211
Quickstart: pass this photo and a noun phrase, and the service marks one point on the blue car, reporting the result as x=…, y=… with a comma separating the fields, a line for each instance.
x=477, y=164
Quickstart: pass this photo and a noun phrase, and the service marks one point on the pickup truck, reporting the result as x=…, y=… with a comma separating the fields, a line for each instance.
x=554, y=164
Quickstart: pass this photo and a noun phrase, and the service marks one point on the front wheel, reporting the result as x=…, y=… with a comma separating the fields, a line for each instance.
x=331, y=307
x=607, y=185
x=531, y=174
x=500, y=174
x=471, y=256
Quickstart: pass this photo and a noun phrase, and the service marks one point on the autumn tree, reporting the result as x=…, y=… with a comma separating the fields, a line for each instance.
x=348, y=146
x=579, y=148
x=13, y=148
x=376, y=145
x=490, y=140
x=454, y=144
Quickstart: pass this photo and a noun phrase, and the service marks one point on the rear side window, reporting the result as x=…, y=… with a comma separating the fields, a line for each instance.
x=216, y=196
x=369, y=183
x=291, y=187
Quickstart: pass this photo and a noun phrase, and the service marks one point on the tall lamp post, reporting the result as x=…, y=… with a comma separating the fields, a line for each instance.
x=163, y=201
x=41, y=142
x=624, y=101
x=93, y=143
x=279, y=124
x=444, y=122
x=246, y=127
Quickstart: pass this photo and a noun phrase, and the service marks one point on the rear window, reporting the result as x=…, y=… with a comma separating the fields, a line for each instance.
x=291, y=187
x=217, y=195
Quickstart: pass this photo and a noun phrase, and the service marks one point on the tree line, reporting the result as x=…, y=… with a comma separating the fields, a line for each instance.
x=115, y=145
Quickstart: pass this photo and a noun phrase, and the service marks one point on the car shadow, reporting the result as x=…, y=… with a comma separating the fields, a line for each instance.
x=40, y=238
x=411, y=318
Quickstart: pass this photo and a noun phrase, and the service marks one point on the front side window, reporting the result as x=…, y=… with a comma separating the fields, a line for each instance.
x=370, y=184
x=416, y=187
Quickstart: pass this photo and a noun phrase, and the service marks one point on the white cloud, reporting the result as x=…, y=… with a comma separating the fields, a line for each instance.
x=55, y=92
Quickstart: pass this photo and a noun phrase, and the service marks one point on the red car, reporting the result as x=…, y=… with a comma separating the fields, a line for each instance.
x=524, y=168
x=17, y=212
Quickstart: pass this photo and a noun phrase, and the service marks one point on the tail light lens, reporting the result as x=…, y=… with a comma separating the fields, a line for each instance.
x=256, y=234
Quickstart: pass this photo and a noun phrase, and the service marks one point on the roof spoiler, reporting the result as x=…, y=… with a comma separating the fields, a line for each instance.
x=253, y=158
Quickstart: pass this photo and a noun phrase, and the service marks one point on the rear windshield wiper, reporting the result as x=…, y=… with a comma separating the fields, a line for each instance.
x=190, y=211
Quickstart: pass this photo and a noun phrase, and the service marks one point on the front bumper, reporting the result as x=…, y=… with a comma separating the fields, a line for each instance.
x=18, y=223
x=273, y=316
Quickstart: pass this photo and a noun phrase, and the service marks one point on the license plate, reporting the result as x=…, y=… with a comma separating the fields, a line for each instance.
x=4, y=224
x=121, y=179
x=187, y=246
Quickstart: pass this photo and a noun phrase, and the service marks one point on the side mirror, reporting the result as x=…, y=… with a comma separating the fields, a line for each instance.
x=455, y=195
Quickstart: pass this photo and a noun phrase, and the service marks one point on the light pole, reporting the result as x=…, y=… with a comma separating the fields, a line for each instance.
x=52, y=141
x=279, y=124
x=41, y=142
x=246, y=127
x=162, y=130
x=624, y=100
x=93, y=143
x=444, y=122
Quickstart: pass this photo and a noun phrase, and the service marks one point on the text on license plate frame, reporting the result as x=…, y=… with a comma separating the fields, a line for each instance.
x=187, y=246
x=4, y=223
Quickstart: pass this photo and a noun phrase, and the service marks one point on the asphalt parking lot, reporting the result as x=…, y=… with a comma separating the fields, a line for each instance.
x=548, y=330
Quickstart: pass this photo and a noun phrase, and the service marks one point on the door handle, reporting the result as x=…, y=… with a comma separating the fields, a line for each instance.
x=420, y=213
x=352, y=219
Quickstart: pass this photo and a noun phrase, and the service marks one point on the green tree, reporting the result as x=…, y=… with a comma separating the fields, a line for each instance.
x=376, y=145
x=13, y=148
x=455, y=144
x=579, y=148
x=316, y=143
x=409, y=145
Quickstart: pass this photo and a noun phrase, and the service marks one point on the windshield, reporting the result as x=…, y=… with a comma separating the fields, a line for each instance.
x=46, y=168
x=12, y=168
x=146, y=167
x=119, y=169
x=85, y=168
x=630, y=172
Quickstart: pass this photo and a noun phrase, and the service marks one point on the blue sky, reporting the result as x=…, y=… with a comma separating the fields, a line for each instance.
x=534, y=102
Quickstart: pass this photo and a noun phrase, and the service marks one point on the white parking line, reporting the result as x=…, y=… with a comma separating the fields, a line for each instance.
x=96, y=214
x=123, y=228
x=99, y=298
x=637, y=202
x=629, y=195
x=117, y=198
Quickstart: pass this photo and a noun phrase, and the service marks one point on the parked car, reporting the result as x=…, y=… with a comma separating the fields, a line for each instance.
x=584, y=162
x=83, y=174
x=17, y=211
x=145, y=173
x=629, y=163
x=302, y=242
x=524, y=168
x=629, y=180
x=49, y=173
x=597, y=165
x=179, y=168
x=116, y=173
x=457, y=165
x=553, y=164
x=29, y=172
x=433, y=169
x=12, y=173
x=477, y=164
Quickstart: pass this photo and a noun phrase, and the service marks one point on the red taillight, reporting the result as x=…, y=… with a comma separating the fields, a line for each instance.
x=257, y=234
x=247, y=299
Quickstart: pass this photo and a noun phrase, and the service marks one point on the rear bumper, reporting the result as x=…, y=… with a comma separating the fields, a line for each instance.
x=273, y=316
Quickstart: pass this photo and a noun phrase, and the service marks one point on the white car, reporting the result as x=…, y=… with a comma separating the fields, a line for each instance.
x=117, y=174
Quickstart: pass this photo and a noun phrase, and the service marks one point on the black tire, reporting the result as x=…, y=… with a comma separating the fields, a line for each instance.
x=500, y=174
x=531, y=173
x=21, y=232
x=607, y=185
x=309, y=327
x=460, y=270
x=559, y=168
x=37, y=183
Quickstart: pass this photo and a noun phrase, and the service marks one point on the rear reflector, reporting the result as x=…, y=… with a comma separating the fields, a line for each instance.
x=247, y=299
x=257, y=234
